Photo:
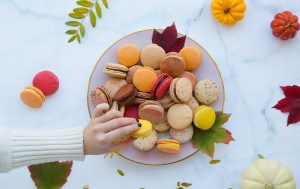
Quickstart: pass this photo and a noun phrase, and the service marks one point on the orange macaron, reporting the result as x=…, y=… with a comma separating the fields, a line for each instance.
x=32, y=97
x=144, y=79
x=192, y=57
x=169, y=146
x=128, y=55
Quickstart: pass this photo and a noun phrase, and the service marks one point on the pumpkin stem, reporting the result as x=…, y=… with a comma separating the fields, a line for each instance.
x=269, y=186
x=287, y=25
x=226, y=10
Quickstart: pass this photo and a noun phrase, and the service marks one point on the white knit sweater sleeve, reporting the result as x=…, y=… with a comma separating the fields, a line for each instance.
x=25, y=147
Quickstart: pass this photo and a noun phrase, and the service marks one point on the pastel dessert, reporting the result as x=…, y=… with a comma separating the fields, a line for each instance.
x=190, y=76
x=169, y=146
x=144, y=131
x=180, y=116
x=32, y=97
x=181, y=90
x=128, y=55
x=125, y=94
x=116, y=70
x=162, y=126
x=113, y=84
x=151, y=111
x=141, y=97
x=144, y=79
x=206, y=91
x=132, y=111
x=166, y=101
x=152, y=55
x=101, y=95
x=183, y=135
x=146, y=144
x=204, y=117
x=46, y=81
x=192, y=57
x=192, y=103
x=173, y=64
x=161, y=85
x=131, y=72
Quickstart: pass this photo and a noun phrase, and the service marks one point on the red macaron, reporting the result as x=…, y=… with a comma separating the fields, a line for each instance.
x=46, y=81
x=161, y=85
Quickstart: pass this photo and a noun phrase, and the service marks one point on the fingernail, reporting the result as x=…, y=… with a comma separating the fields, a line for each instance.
x=139, y=124
x=137, y=120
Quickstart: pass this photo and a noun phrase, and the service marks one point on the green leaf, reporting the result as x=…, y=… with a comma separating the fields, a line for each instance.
x=93, y=18
x=72, y=38
x=76, y=15
x=81, y=10
x=71, y=32
x=120, y=172
x=214, y=161
x=261, y=156
x=178, y=183
x=105, y=3
x=85, y=3
x=82, y=30
x=186, y=184
x=50, y=175
x=98, y=9
x=72, y=23
x=78, y=38
x=205, y=140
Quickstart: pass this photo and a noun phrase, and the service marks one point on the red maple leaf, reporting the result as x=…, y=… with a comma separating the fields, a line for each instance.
x=290, y=104
x=168, y=39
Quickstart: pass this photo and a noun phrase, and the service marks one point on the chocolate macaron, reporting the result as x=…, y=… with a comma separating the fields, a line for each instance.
x=141, y=97
x=125, y=94
x=173, y=64
x=151, y=111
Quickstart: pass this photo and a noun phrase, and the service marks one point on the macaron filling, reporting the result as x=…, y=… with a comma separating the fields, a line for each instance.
x=174, y=91
x=115, y=69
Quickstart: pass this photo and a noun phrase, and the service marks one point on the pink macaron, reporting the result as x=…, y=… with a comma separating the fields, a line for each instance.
x=161, y=85
x=46, y=81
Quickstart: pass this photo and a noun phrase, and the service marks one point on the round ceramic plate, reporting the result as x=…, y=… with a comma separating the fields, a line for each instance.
x=207, y=70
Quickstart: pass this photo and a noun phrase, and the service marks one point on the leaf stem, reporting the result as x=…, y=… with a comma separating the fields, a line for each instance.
x=78, y=29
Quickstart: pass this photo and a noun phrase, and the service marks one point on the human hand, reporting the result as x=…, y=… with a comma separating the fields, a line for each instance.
x=107, y=131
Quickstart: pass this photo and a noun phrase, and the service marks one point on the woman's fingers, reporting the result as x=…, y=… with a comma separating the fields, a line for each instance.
x=100, y=110
x=110, y=115
x=116, y=123
x=120, y=133
x=121, y=145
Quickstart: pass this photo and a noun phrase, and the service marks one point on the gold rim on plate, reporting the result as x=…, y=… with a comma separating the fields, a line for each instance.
x=88, y=90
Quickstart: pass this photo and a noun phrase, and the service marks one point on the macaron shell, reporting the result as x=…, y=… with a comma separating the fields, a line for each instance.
x=184, y=89
x=32, y=97
x=180, y=116
x=152, y=55
x=173, y=64
x=166, y=101
x=46, y=81
x=190, y=76
x=131, y=72
x=101, y=95
x=206, y=91
x=144, y=79
x=183, y=135
x=204, y=117
x=192, y=57
x=144, y=131
x=116, y=70
x=152, y=113
x=170, y=148
x=146, y=144
x=112, y=85
x=172, y=91
x=163, y=125
x=193, y=103
x=128, y=55
x=125, y=94
x=161, y=86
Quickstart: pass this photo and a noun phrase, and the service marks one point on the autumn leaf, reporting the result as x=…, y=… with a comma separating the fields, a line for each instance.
x=168, y=39
x=50, y=175
x=290, y=104
x=205, y=140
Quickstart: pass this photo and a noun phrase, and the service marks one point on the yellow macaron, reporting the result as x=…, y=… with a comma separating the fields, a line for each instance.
x=192, y=57
x=204, y=117
x=169, y=146
x=32, y=97
x=128, y=55
x=144, y=131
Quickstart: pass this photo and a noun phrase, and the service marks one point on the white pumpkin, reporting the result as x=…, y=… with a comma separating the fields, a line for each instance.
x=267, y=174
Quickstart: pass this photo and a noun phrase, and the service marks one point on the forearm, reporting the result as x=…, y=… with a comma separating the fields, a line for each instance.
x=25, y=147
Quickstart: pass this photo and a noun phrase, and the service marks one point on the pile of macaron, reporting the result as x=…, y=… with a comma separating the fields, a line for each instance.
x=161, y=90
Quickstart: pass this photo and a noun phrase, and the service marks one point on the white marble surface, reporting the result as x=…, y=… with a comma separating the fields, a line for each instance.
x=253, y=64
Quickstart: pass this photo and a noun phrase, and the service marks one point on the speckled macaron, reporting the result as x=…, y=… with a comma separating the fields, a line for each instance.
x=181, y=90
x=192, y=103
x=152, y=55
x=183, y=135
x=162, y=126
x=206, y=91
x=146, y=144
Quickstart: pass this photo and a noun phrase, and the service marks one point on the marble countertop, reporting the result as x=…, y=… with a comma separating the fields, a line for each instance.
x=253, y=64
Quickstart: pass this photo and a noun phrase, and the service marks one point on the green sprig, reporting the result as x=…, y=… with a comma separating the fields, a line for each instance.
x=86, y=8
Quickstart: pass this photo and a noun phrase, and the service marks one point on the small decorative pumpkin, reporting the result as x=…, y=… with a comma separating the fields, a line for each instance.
x=228, y=11
x=267, y=174
x=285, y=25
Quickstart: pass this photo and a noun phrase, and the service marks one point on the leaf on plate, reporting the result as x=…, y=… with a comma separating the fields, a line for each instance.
x=76, y=15
x=290, y=104
x=214, y=161
x=85, y=3
x=98, y=9
x=50, y=175
x=168, y=39
x=105, y=3
x=205, y=140
x=73, y=23
x=92, y=18
x=120, y=172
x=85, y=187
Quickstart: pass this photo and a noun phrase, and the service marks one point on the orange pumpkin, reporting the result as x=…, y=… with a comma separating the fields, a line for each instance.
x=285, y=25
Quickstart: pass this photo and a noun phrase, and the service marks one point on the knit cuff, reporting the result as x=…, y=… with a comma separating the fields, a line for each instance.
x=5, y=151
x=33, y=147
